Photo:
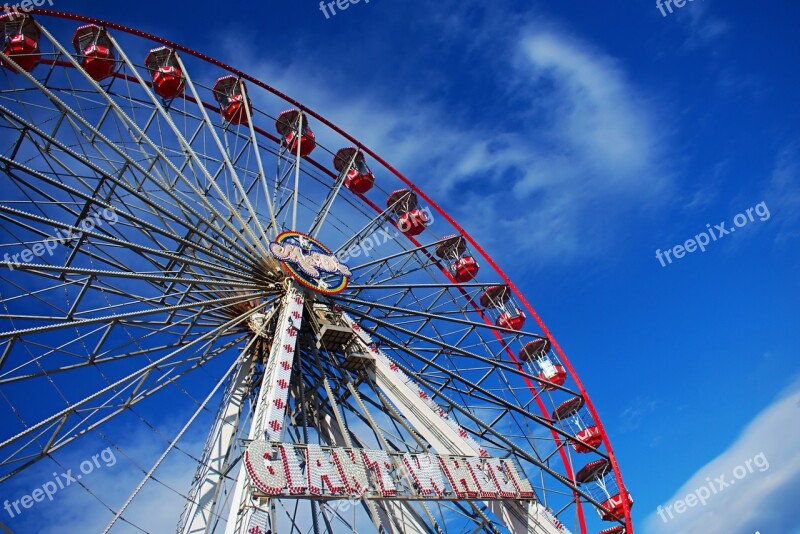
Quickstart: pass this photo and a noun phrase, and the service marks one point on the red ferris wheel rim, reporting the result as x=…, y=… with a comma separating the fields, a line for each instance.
x=416, y=190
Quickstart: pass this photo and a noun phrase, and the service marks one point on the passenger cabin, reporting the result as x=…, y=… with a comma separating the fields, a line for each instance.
x=21, y=38
x=288, y=124
x=497, y=299
x=95, y=51
x=165, y=73
x=228, y=93
x=411, y=220
x=462, y=266
x=578, y=422
x=358, y=178
x=598, y=477
x=539, y=353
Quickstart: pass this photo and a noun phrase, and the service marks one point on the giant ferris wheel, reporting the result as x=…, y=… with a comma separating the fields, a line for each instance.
x=181, y=239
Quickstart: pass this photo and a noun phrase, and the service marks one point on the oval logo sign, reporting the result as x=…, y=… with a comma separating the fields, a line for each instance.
x=310, y=263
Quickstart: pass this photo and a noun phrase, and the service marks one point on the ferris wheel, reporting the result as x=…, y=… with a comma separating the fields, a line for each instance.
x=180, y=239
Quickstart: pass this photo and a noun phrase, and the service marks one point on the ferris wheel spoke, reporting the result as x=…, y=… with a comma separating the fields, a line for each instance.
x=455, y=376
x=382, y=263
x=65, y=322
x=384, y=270
x=148, y=229
x=173, y=237
x=209, y=219
x=257, y=239
x=325, y=207
x=136, y=382
x=372, y=226
x=397, y=312
x=132, y=275
x=149, y=475
x=157, y=209
x=256, y=151
x=396, y=273
x=457, y=300
x=58, y=438
x=467, y=285
x=296, y=189
x=98, y=279
x=13, y=215
x=184, y=305
x=439, y=306
x=133, y=128
x=443, y=330
x=101, y=353
x=494, y=360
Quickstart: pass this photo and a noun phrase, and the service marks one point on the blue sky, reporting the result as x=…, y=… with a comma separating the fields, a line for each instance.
x=574, y=139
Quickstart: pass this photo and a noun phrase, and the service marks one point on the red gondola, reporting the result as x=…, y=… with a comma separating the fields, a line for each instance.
x=359, y=179
x=95, y=50
x=499, y=298
x=604, y=489
x=578, y=421
x=168, y=80
x=288, y=124
x=550, y=369
x=21, y=41
x=412, y=220
x=463, y=267
x=228, y=92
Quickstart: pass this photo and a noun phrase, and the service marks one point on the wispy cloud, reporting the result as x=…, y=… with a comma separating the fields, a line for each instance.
x=558, y=170
x=157, y=508
x=763, y=500
x=704, y=26
x=634, y=415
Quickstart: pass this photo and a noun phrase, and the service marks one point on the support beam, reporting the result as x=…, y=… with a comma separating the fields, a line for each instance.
x=198, y=517
x=270, y=411
x=446, y=437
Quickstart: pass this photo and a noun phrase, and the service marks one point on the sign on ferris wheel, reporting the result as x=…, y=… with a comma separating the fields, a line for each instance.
x=305, y=471
x=310, y=262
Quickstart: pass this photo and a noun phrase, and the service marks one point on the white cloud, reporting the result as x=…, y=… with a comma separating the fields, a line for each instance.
x=560, y=175
x=762, y=500
x=602, y=118
x=157, y=508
